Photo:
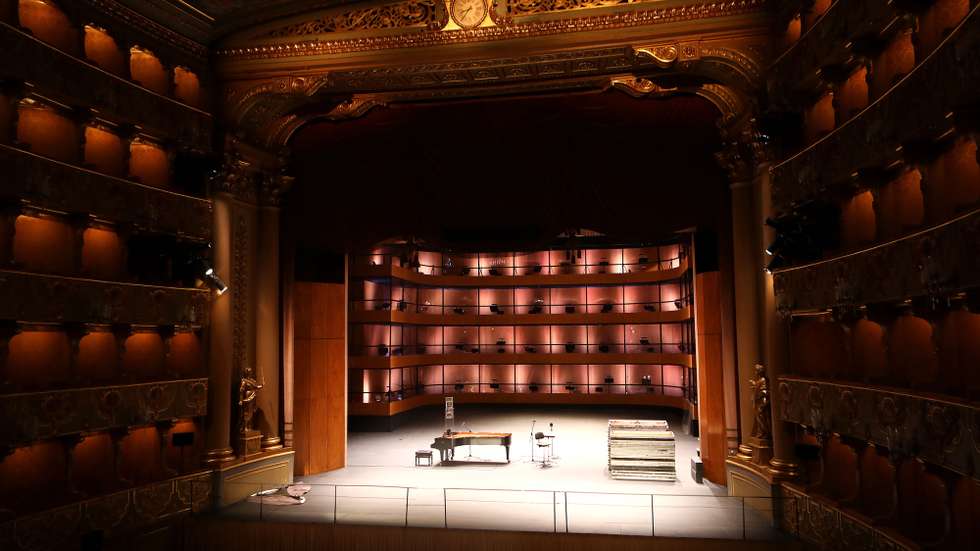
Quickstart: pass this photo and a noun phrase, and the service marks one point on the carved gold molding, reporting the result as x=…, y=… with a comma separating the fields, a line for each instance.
x=423, y=14
x=640, y=17
x=270, y=111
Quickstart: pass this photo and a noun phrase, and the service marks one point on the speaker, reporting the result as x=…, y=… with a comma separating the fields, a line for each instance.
x=180, y=439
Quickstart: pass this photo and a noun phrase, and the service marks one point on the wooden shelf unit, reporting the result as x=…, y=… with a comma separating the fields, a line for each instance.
x=604, y=324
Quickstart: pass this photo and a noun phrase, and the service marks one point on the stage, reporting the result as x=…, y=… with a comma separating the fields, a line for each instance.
x=480, y=490
x=389, y=457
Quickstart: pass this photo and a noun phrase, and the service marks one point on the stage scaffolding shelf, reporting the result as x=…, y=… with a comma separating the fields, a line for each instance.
x=617, y=336
x=641, y=450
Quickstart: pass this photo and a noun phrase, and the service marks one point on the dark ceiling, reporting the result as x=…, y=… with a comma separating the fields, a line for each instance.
x=509, y=174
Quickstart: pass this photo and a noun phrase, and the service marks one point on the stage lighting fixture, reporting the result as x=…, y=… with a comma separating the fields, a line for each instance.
x=215, y=282
x=776, y=245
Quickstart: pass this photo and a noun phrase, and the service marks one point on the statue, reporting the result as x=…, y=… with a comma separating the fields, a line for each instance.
x=762, y=428
x=247, y=391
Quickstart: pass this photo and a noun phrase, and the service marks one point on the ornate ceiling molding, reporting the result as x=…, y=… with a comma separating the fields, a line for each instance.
x=270, y=111
x=419, y=14
x=504, y=30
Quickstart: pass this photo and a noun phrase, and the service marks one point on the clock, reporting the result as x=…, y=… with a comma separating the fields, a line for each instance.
x=468, y=13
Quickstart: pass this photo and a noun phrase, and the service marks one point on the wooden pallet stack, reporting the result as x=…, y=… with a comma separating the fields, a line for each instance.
x=641, y=450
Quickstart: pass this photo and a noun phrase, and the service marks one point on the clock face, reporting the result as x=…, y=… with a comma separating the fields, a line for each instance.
x=468, y=13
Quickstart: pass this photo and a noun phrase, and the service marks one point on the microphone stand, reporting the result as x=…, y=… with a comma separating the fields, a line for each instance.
x=531, y=439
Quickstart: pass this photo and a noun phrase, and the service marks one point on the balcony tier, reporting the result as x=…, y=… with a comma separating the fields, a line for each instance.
x=385, y=362
x=31, y=297
x=53, y=185
x=611, y=318
x=387, y=409
x=932, y=262
x=876, y=137
x=76, y=83
x=536, y=280
x=37, y=415
x=936, y=429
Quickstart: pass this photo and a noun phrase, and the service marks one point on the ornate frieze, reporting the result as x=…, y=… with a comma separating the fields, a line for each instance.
x=824, y=525
x=49, y=414
x=426, y=14
x=116, y=514
x=52, y=185
x=518, y=8
x=46, y=298
x=627, y=19
x=930, y=263
x=268, y=110
x=876, y=137
x=941, y=432
x=74, y=83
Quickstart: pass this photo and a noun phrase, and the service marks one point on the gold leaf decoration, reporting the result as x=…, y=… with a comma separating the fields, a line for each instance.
x=413, y=13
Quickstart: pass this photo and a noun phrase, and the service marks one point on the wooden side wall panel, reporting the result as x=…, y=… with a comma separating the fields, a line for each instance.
x=320, y=371
x=711, y=393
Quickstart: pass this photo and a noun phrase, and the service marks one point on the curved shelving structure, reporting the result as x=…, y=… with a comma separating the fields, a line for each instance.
x=575, y=324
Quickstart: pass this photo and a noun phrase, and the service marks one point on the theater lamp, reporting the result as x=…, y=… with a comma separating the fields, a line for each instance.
x=213, y=281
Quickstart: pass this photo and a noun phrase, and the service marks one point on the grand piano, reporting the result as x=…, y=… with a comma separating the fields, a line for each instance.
x=449, y=441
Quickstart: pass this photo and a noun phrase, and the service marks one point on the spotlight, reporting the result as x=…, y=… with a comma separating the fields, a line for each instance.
x=776, y=262
x=776, y=245
x=215, y=282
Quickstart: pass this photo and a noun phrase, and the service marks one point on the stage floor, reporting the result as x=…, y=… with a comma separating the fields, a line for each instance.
x=388, y=458
x=382, y=486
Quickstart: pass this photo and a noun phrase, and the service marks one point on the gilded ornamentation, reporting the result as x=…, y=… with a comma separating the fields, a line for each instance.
x=828, y=526
x=123, y=511
x=107, y=513
x=518, y=8
x=762, y=428
x=663, y=56
x=356, y=106
x=628, y=19
x=939, y=432
x=152, y=501
x=429, y=14
x=68, y=299
x=30, y=416
x=248, y=389
x=65, y=188
x=639, y=87
x=872, y=276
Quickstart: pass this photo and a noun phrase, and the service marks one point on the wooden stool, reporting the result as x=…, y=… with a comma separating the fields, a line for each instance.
x=423, y=454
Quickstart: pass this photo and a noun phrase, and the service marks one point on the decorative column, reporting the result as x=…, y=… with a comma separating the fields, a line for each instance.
x=221, y=329
x=267, y=344
x=745, y=240
x=775, y=337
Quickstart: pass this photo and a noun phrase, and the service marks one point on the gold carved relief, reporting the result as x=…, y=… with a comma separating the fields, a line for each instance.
x=531, y=7
x=429, y=14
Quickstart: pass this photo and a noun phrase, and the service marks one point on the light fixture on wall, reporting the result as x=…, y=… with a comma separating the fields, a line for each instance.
x=213, y=281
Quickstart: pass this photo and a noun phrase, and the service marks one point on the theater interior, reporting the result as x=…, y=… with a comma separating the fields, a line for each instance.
x=478, y=275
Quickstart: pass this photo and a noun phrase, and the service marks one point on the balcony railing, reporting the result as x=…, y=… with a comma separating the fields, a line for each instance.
x=36, y=415
x=111, y=515
x=939, y=430
x=657, y=515
x=53, y=185
x=45, y=298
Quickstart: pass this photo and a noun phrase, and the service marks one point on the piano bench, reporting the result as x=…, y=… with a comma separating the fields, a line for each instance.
x=423, y=454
